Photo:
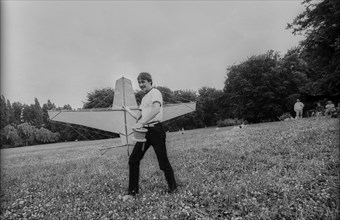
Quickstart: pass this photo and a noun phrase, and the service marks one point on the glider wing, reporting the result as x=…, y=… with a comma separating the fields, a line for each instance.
x=116, y=119
x=171, y=111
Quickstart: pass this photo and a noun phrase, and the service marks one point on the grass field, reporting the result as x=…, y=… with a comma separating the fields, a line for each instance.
x=279, y=170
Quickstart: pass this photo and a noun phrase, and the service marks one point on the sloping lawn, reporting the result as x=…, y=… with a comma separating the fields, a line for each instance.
x=280, y=170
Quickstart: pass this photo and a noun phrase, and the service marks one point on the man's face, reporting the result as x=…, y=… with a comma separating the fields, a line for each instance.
x=144, y=85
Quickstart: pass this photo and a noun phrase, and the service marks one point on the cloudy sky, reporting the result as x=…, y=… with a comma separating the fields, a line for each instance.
x=61, y=50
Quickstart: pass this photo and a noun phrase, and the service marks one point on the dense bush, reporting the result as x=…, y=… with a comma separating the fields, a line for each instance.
x=230, y=122
x=25, y=134
x=285, y=116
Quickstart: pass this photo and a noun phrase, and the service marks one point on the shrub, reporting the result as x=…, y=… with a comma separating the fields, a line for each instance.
x=284, y=116
x=11, y=136
x=230, y=122
x=26, y=134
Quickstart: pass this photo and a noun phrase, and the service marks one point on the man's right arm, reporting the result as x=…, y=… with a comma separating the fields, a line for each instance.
x=137, y=115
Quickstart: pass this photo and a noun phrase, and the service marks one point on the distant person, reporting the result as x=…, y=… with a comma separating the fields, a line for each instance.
x=330, y=108
x=298, y=108
x=150, y=117
x=319, y=109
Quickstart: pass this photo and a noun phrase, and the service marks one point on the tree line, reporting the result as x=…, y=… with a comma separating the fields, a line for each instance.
x=259, y=89
x=23, y=125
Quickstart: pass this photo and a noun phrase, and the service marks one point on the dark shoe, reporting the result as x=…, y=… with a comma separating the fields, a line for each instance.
x=170, y=179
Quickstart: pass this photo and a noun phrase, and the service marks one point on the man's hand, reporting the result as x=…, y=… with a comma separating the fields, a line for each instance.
x=130, y=112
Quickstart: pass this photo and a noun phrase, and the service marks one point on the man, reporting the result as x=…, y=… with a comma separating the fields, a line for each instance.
x=298, y=108
x=150, y=117
x=330, y=108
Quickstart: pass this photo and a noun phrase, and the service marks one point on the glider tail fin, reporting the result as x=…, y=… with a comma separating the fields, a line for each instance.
x=124, y=95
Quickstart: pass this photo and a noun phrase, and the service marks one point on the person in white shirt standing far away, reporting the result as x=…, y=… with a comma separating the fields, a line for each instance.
x=298, y=108
x=150, y=117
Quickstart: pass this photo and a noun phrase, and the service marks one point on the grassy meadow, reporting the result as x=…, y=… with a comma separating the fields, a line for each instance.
x=279, y=170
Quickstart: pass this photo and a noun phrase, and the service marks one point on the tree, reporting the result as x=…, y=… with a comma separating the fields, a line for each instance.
x=17, y=109
x=10, y=112
x=257, y=89
x=208, y=107
x=10, y=137
x=33, y=114
x=248, y=87
x=100, y=98
x=67, y=107
x=293, y=72
x=320, y=24
x=168, y=95
x=44, y=135
x=46, y=120
x=185, y=96
x=38, y=113
x=26, y=133
x=4, y=112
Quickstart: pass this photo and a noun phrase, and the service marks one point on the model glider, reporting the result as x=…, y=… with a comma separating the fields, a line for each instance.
x=117, y=119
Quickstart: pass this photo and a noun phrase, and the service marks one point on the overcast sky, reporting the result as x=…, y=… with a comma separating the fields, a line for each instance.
x=61, y=50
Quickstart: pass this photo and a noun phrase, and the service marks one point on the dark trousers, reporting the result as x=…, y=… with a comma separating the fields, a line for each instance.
x=154, y=137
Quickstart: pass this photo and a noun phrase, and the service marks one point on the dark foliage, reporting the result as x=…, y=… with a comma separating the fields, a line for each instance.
x=320, y=24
